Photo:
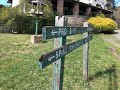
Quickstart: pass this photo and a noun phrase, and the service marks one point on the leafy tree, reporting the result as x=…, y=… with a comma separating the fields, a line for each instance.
x=18, y=19
x=4, y=14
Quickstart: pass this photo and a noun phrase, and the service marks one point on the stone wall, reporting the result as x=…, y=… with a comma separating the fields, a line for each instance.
x=76, y=20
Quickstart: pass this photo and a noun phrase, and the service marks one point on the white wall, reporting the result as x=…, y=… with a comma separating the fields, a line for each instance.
x=102, y=3
x=15, y=3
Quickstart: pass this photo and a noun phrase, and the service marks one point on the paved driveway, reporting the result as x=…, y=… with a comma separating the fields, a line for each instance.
x=117, y=35
x=113, y=38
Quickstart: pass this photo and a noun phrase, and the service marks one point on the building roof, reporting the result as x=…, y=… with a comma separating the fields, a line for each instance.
x=9, y=1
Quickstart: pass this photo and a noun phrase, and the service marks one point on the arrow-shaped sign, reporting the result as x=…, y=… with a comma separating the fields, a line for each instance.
x=50, y=58
x=53, y=32
x=54, y=55
x=49, y=32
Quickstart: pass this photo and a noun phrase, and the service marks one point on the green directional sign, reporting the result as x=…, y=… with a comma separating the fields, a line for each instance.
x=57, y=56
x=49, y=32
x=50, y=57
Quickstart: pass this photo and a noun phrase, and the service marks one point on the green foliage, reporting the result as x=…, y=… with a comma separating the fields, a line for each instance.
x=18, y=20
x=48, y=15
x=21, y=24
x=100, y=15
x=4, y=14
x=102, y=24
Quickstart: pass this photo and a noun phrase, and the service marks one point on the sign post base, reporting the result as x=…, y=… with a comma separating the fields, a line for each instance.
x=36, y=39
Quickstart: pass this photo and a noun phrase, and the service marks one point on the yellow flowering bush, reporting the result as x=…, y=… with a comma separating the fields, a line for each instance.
x=102, y=24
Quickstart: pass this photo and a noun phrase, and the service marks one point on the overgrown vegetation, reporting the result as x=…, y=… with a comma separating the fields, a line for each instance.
x=19, y=68
x=102, y=24
x=18, y=19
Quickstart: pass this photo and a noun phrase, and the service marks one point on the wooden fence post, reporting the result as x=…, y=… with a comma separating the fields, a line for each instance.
x=58, y=66
x=85, y=53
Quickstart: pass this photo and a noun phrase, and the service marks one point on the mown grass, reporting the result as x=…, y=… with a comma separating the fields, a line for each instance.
x=19, y=68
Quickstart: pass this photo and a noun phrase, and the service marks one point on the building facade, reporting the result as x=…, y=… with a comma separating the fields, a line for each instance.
x=87, y=8
x=104, y=4
x=97, y=3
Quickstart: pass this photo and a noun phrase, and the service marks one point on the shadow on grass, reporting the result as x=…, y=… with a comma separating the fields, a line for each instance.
x=110, y=32
x=106, y=32
x=115, y=32
x=112, y=79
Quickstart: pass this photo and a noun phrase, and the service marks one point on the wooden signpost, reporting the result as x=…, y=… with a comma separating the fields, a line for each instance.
x=54, y=55
x=57, y=31
x=57, y=56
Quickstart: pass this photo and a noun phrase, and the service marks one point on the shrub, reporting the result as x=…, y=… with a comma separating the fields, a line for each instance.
x=22, y=24
x=101, y=24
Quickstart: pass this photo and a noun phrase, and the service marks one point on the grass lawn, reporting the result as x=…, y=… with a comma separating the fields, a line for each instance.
x=19, y=65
